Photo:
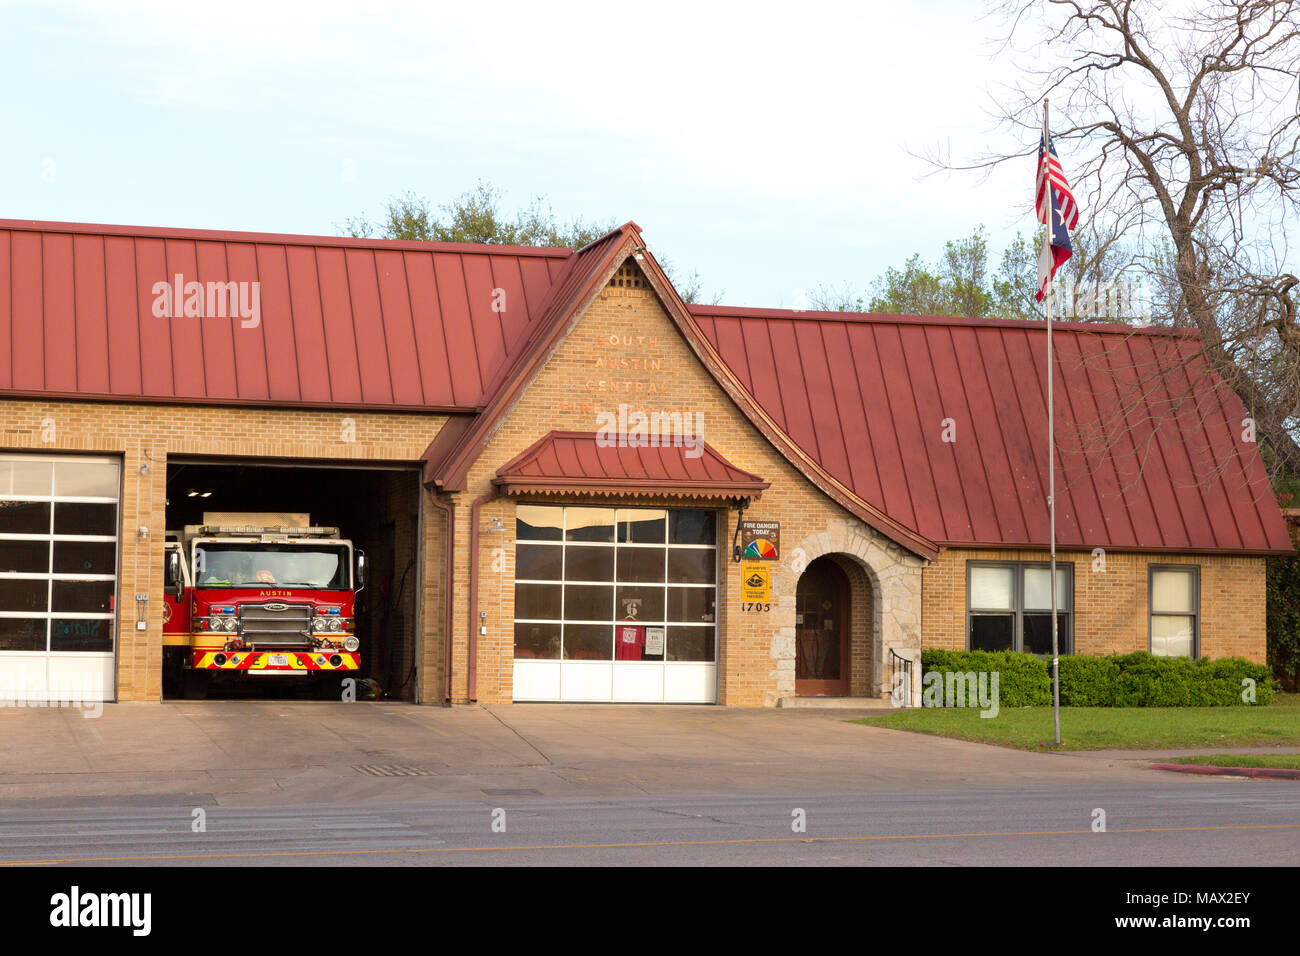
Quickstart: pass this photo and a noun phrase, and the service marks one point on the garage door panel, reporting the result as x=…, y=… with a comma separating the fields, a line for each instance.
x=537, y=680
x=78, y=478
x=80, y=677
x=22, y=633
x=25, y=557
x=58, y=576
x=24, y=517
x=691, y=683
x=596, y=591
x=24, y=594
x=23, y=677
x=84, y=596
x=639, y=682
x=586, y=680
x=85, y=635
x=85, y=557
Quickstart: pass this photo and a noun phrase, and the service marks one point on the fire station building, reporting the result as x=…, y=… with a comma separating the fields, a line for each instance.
x=573, y=486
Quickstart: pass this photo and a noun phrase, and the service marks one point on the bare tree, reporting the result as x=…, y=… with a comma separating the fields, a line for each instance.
x=1179, y=130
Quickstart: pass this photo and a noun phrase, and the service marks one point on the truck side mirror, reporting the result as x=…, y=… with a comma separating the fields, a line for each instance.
x=174, y=570
x=362, y=566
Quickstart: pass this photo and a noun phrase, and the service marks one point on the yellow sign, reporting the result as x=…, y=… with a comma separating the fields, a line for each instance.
x=755, y=582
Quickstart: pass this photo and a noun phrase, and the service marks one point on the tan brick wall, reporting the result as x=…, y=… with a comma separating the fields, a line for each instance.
x=1111, y=605
x=626, y=349
x=623, y=349
x=151, y=433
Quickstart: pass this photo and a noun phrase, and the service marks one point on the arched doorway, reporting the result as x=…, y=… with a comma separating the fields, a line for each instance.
x=822, y=631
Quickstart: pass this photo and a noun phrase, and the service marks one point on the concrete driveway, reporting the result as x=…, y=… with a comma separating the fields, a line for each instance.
x=242, y=752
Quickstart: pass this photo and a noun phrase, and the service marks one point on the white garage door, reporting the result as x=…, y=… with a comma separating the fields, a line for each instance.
x=58, y=577
x=615, y=604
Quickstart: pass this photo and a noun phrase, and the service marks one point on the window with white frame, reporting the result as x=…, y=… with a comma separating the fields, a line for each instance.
x=58, y=553
x=623, y=584
x=1175, y=610
x=1009, y=606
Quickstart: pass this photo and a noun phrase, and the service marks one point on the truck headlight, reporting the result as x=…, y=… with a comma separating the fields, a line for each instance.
x=335, y=624
x=318, y=624
x=350, y=644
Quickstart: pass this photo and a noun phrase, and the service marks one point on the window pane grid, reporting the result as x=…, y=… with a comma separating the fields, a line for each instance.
x=1002, y=611
x=644, y=533
x=67, y=497
x=1173, y=603
x=72, y=499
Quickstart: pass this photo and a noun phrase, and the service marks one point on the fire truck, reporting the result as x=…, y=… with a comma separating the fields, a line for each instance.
x=259, y=595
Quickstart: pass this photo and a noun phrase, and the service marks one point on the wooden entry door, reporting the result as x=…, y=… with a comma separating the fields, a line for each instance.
x=822, y=631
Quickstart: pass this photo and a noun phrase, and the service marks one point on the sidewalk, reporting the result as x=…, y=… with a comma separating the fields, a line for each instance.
x=229, y=752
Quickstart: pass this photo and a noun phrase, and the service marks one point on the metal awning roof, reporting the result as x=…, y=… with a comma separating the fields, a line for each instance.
x=586, y=463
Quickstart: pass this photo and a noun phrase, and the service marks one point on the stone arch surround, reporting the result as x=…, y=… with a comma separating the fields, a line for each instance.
x=885, y=580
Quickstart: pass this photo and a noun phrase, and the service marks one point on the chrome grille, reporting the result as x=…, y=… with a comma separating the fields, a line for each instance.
x=275, y=624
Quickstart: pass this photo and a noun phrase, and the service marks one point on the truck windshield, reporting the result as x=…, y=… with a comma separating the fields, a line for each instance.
x=229, y=565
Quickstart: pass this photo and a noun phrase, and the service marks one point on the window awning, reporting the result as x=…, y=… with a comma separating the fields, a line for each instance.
x=583, y=463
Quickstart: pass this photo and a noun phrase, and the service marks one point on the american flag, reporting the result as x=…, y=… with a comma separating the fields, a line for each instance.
x=1056, y=207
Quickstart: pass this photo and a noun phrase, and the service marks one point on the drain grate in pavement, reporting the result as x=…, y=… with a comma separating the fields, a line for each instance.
x=524, y=792
x=393, y=770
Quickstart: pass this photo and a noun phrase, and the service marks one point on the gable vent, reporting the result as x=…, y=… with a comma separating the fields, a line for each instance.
x=629, y=276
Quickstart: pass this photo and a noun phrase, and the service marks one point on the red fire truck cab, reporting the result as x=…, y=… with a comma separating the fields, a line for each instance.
x=263, y=600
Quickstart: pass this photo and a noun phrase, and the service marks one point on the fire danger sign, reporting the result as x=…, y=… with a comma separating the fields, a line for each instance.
x=755, y=582
x=760, y=540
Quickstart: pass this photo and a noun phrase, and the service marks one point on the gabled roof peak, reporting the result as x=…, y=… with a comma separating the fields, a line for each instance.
x=628, y=228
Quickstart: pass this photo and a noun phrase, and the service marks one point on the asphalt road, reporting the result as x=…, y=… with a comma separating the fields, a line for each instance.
x=1230, y=823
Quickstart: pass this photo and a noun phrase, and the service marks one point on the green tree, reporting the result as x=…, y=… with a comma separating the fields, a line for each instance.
x=476, y=216
x=963, y=282
x=1283, y=618
x=958, y=284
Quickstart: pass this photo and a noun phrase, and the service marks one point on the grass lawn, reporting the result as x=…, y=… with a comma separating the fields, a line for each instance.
x=1291, y=761
x=1107, y=728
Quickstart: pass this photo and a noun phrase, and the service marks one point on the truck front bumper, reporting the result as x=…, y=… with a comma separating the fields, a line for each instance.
x=282, y=663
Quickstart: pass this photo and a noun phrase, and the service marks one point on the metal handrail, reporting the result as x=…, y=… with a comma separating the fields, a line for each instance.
x=899, y=664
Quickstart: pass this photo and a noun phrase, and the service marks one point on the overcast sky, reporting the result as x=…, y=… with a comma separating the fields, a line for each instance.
x=769, y=147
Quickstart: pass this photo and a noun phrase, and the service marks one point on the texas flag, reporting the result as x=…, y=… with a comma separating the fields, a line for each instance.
x=1056, y=208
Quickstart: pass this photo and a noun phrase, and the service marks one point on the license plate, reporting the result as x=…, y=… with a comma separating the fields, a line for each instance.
x=277, y=660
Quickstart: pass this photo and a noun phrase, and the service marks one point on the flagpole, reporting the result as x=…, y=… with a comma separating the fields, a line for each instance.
x=1051, y=454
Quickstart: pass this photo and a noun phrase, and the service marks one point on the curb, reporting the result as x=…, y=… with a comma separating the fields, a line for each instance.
x=1274, y=773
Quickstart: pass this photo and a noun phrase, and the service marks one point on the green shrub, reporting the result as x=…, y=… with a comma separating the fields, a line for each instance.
x=1219, y=682
x=1120, y=680
x=1023, y=679
x=1088, y=681
x=1148, y=681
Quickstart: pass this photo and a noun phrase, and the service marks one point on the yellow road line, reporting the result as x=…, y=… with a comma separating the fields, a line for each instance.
x=629, y=846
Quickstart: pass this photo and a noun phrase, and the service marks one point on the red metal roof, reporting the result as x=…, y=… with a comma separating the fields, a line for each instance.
x=1148, y=449
x=583, y=463
x=451, y=454
x=454, y=450
x=1148, y=456
x=343, y=322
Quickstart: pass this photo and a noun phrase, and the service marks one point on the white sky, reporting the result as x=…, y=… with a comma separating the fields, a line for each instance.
x=765, y=145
